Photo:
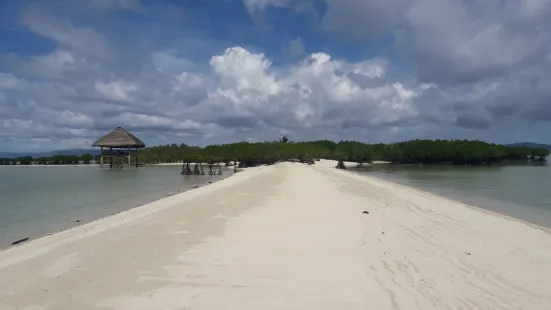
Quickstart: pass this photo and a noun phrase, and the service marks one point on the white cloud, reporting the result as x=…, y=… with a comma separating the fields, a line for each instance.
x=170, y=62
x=83, y=39
x=188, y=80
x=243, y=72
x=53, y=65
x=58, y=59
x=310, y=93
x=243, y=93
x=9, y=82
x=115, y=90
x=73, y=120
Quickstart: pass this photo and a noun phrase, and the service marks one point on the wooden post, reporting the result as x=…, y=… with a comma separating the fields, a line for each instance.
x=129, y=159
x=136, y=157
x=101, y=158
x=111, y=157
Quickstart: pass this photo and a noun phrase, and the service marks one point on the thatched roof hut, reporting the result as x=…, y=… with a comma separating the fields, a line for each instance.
x=119, y=143
x=119, y=138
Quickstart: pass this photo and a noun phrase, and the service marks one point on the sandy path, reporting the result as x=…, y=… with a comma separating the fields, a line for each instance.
x=286, y=237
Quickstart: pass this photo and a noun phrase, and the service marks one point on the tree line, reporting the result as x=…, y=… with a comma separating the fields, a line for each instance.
x=441, y=152
x=51, y=160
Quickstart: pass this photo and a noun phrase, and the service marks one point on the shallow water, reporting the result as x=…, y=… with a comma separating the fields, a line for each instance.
x=38, y=200
x=522, y=191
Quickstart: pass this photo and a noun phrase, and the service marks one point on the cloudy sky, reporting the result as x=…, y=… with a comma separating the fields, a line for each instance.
x=211, y=71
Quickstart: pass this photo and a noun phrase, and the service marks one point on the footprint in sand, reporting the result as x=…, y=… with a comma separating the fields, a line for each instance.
x=179, y=232
x=426, y=283
x=61, y=265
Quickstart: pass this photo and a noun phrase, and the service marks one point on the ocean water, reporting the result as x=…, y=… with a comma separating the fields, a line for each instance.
x=523, y=192
x=38, y=200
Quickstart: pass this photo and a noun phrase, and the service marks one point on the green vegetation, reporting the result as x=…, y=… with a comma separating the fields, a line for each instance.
x=53, y=160
x=170, y=153
x=442, y=152
x=58, y=160
x=86, y=158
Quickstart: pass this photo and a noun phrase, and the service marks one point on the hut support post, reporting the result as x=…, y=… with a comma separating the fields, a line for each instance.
x=136, y=157
x=129, y=158
x=110, y=158
x=101, y=158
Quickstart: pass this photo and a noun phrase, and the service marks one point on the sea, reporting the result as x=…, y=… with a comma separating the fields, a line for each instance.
x=38, y=200
x=520, y=191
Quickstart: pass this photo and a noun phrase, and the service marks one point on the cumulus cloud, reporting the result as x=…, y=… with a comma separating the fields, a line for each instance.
x=245, y=94
x=116, y=90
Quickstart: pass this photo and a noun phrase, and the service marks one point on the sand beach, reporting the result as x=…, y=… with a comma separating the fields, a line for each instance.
x=287, y=236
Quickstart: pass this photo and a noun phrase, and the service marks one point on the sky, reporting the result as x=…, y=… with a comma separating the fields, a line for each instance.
x=215, y=71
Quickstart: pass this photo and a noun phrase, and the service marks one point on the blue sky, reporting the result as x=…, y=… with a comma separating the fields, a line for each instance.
x=211, y=71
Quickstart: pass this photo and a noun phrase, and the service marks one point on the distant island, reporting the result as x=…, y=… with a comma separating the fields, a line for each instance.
x=435, y=152
x=85, y=159
x=72, y=152
x=530, y=145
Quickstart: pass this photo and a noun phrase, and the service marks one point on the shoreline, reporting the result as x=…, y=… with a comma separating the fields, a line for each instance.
x=141, y=212
x=125, y=204
x=483, y=204
x=98, y=165
x=446, y=199
x=287, y=235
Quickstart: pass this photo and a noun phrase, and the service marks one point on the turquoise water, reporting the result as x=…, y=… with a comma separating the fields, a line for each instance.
x=38, y=200
x=523, y=192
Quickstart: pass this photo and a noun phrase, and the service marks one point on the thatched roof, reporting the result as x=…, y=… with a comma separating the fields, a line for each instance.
x=119, y=138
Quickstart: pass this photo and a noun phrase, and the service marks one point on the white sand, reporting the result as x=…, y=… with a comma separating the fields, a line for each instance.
x=165, y=164
x=288, y=236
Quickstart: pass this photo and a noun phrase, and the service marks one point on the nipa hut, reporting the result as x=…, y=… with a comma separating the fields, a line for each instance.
x=117, y=145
